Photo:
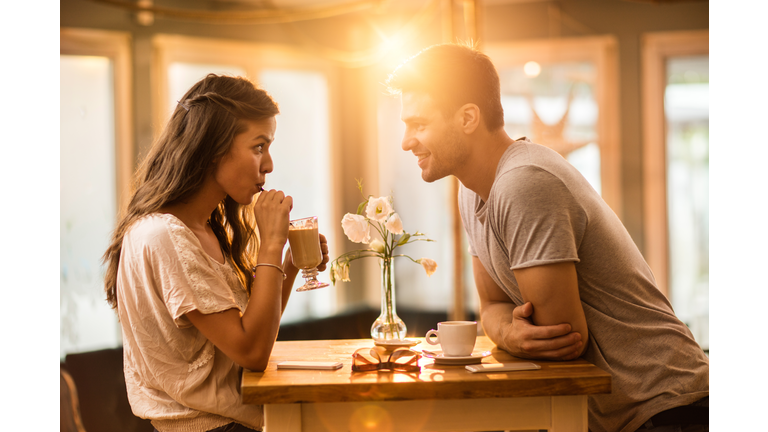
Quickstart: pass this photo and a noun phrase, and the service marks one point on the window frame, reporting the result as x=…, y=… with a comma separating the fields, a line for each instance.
x=117, y=47
x=657, y=47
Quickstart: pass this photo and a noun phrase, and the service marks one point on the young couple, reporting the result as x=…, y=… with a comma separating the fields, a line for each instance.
x=199, y=295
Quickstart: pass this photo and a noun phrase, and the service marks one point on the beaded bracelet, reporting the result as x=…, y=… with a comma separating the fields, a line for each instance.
x=269, y=265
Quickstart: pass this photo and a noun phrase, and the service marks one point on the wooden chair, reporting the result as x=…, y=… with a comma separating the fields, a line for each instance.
x=70, y=407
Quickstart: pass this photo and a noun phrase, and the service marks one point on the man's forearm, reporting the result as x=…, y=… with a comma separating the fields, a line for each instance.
x=496, y=319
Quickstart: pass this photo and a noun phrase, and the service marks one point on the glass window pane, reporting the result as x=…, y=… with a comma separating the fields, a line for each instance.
x=686, y=107
x=88, y=202
x=554, y=105
x=301, y=155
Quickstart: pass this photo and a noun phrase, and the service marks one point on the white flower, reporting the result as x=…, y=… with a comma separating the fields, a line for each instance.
x=340, y=271
x=394, y=224
x=356, y=228
x=378, y=209
x=377, y=245
x=345, y=272
x=429, y=265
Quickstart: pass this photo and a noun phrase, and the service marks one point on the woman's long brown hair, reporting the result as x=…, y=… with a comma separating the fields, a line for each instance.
x=198, y=135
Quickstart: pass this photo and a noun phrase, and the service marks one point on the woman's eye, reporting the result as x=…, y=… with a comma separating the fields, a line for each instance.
x=260, y=148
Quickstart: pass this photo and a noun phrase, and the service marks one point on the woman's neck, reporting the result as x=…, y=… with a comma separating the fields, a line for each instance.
x=196, y=210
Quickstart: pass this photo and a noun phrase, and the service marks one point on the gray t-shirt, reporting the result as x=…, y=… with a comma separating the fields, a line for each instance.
x=541, y=210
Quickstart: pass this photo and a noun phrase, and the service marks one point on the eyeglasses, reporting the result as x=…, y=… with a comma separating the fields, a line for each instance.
x=372, y=359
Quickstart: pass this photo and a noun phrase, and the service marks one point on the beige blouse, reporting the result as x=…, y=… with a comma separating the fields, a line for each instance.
x=174, y=375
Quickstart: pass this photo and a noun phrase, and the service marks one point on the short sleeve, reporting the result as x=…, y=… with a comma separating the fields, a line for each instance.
x=185, y=274
x=537, y=218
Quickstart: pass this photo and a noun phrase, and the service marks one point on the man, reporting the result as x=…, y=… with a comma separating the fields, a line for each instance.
x=557, y=274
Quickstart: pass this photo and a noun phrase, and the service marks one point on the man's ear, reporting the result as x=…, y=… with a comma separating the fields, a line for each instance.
x=468, y=118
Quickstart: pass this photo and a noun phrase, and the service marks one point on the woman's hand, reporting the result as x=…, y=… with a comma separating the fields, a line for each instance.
x=272, y=211
x=324, y=250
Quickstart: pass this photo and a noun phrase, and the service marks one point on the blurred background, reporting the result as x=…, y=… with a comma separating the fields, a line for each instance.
x=618, y=87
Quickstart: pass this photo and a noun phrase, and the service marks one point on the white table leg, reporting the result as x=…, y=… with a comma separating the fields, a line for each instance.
x=282, y=418
x=569, y=414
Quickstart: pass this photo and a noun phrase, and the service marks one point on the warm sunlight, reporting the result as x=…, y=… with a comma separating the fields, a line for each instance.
x=532, y=69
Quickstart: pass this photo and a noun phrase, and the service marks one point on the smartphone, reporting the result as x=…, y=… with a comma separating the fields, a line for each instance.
x=501, y=367
x=310, y=365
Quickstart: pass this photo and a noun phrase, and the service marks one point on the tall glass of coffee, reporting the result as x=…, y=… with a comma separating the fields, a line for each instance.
x=304, y=239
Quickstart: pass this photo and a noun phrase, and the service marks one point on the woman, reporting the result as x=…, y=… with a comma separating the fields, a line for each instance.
x=199, y=293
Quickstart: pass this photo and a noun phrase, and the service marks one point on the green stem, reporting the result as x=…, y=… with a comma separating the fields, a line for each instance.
x=353, y=255
x=406, y=256
x=390, y=323
x=411, y=240
x=382, y=231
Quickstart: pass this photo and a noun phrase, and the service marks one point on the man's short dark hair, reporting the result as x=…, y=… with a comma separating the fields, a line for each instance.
x=453, y=75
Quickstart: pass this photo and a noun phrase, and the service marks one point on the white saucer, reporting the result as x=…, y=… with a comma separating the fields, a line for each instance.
x=396, y=343
x=441, y=358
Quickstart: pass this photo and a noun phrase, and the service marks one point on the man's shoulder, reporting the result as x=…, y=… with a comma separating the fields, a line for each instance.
x=530, y=187
x=524, y=153
x=527, y=165
x=524, y=179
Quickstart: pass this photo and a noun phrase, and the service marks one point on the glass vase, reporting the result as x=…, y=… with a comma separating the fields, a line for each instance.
x=388, y=326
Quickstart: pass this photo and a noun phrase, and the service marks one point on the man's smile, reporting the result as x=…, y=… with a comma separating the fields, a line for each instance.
x=422, y=157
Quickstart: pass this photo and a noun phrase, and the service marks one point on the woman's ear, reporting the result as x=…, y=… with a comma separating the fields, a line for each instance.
x=468, y=118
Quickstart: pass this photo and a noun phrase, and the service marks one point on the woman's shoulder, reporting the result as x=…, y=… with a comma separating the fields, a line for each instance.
x=150, y=224
x=157, y=227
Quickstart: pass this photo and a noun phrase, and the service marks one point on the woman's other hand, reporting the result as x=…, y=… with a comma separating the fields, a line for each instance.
x=324, y=250
x=272, y=211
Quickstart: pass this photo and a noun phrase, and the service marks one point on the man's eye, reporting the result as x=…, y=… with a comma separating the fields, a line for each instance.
x=417, y=126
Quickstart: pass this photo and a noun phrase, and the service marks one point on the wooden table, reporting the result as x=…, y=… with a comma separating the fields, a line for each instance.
x=439, y=398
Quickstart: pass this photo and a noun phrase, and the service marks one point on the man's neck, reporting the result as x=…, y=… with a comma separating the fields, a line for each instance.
x=479, y=172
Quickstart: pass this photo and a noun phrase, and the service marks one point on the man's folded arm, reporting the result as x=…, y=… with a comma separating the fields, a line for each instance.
x=511, y=328
x=553, y=290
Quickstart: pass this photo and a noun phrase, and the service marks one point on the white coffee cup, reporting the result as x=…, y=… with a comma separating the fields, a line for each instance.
x=456, y=338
